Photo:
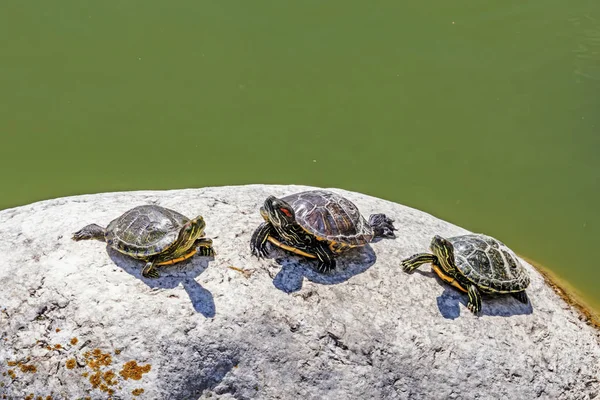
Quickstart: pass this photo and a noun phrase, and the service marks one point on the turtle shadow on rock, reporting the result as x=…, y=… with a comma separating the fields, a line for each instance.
x=295, y=268
x=503, y=305
x=171, y=276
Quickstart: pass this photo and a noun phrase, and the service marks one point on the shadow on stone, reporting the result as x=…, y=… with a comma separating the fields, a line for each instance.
x=171, y=276
x=294, y=268
x=492, y=305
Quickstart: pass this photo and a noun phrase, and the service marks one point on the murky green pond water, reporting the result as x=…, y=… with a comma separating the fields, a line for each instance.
x=486, y=115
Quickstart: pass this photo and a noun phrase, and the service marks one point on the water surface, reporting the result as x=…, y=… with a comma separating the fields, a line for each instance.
x=485, y=115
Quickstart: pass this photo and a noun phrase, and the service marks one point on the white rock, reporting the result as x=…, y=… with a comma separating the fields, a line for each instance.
x=369, y=331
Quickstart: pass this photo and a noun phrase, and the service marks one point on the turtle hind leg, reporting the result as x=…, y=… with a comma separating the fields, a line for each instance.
x=414, y=262
x=521, y=296
x=382, y=226
x=92, y=231
x=474, y=303
x=150, y=271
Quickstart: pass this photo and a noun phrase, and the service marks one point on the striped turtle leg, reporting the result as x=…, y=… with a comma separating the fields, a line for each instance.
x=258, y=242
x=474, y=303
x=92, y=231
x=204, y=246
x=414, y=262
x=521, y=296
x=325, y=256
x=150, y=271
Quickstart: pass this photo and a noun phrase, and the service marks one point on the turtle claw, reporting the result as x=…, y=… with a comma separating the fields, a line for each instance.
x=150, y=271
x=473, y=308
x=152, y=275
x=408, y=267
x=415, y=261
x=206, y=252
x=474, y=303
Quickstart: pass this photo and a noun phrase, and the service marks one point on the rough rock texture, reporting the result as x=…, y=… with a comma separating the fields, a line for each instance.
x=73, y=316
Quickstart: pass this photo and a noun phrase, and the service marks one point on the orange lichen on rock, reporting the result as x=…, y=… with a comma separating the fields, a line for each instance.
x=48, y=347
x=29, y=397
x=57, y=346
x=71, y=363
x=137, y=392
x=96, y=379
x=57, y=330
x=12, y=363
x=109, y=377
x=106, y=389
x=48, y=397
x=85, y=374
x=97, y=359
x=117, y=351
x=132, y=370
x=11, y=373
x=28, y=368
x=74, y=341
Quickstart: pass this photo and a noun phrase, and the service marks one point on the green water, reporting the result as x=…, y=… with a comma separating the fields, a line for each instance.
x=486, y=115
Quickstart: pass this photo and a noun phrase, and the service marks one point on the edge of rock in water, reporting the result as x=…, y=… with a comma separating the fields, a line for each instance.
x=567, y=292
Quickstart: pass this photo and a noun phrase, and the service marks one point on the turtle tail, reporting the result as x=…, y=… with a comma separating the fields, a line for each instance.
x=382, y=226
x=92, y=231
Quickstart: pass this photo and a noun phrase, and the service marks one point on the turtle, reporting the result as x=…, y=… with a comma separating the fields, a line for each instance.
x=154, y=234
x=316, y=224
x=474, y=264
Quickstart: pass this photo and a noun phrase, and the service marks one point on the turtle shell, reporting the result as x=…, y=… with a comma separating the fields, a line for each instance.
x=489, y=264
x=331, y=217
x=145, y=230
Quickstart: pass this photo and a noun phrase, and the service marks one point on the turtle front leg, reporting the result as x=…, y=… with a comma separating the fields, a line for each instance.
x=204, y=246
x=258, y=242
x=326, y=258
x=150, y=271
x=414, y=262
x=92, y=231
x=474, y=303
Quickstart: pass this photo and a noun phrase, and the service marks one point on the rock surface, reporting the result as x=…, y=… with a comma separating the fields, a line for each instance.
x=75, y=317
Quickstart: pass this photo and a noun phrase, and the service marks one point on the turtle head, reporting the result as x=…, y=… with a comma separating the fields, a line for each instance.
x=444, y=251
x=192, y=230
x=277, y=212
